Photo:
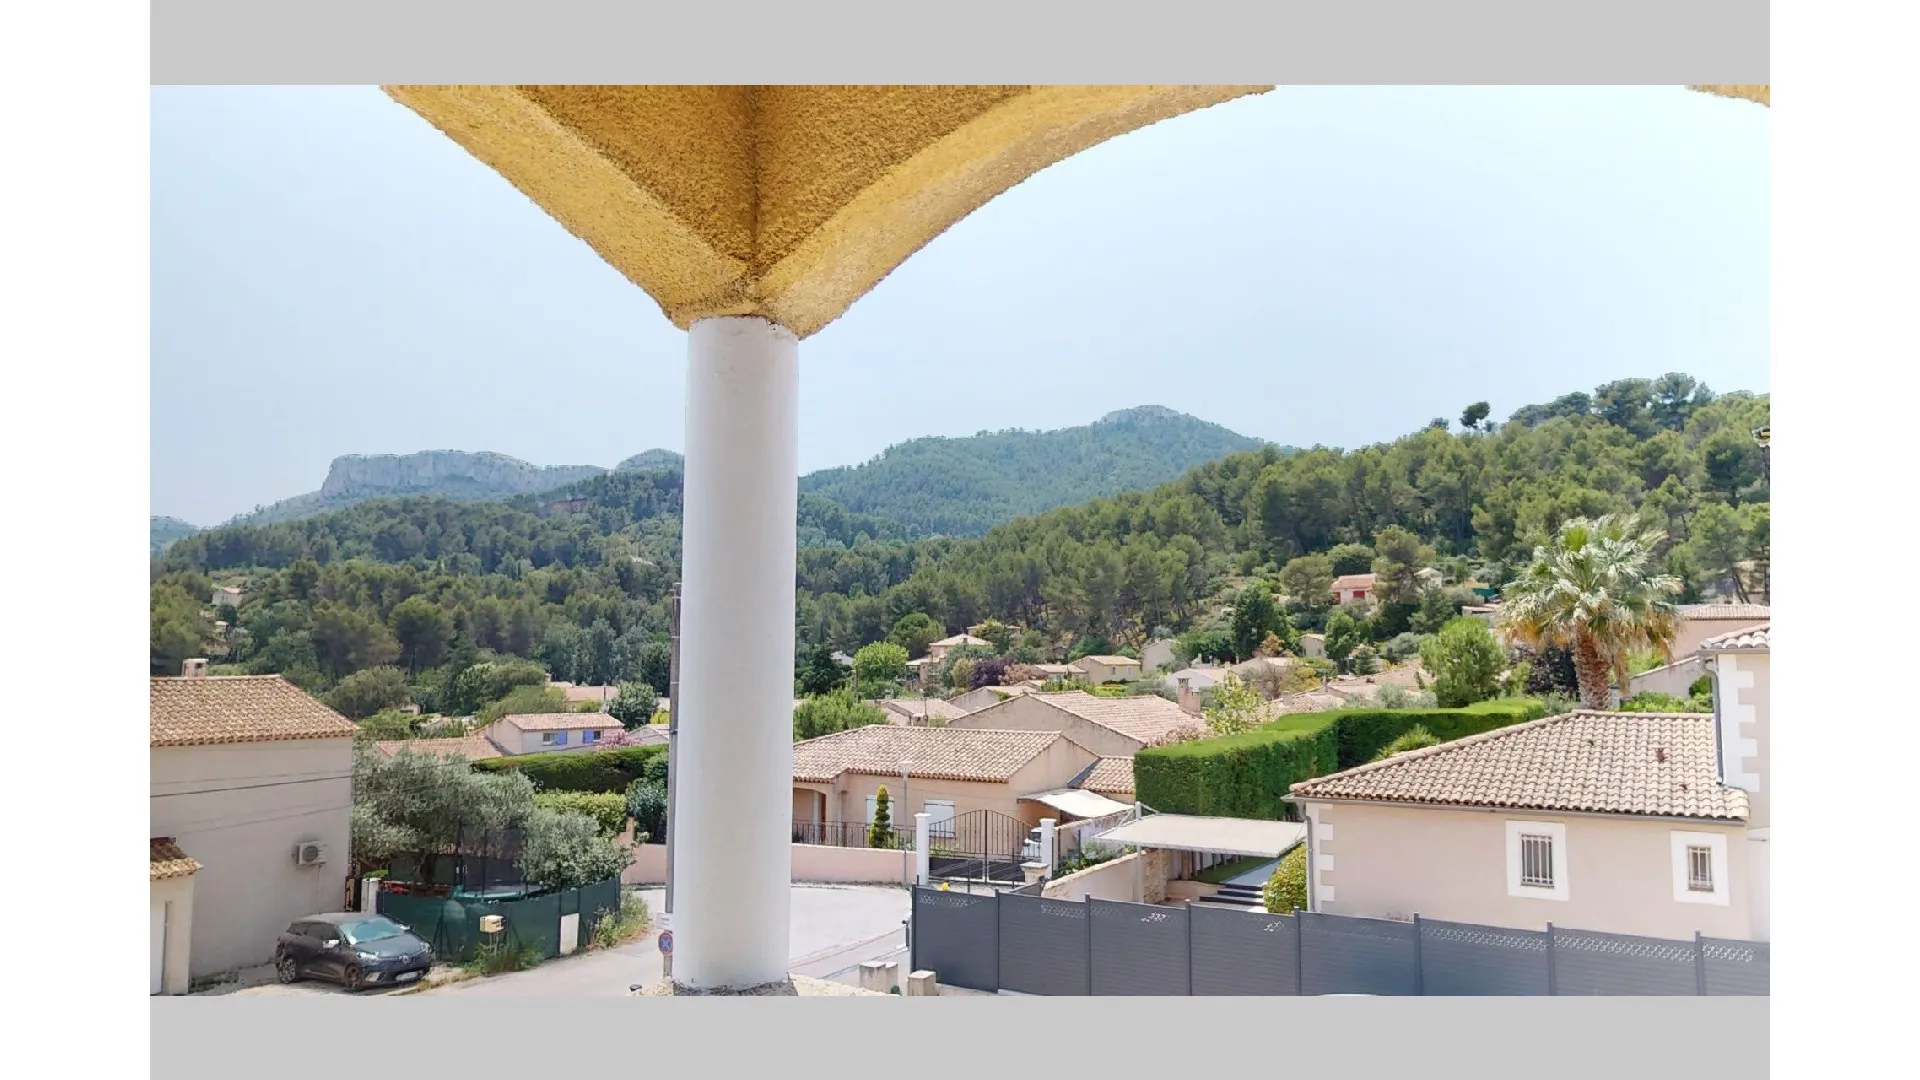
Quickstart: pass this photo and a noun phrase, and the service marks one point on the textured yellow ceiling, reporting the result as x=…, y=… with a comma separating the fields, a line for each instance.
x=789, y=202
x=1760, y=94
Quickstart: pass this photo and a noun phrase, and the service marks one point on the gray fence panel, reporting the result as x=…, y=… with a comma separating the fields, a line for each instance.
x=1043, y=946
x=1139, y=950
x=1738, y=967
x=1616, y=965
x=1343, y=955
x=957, y=937
x=1465, y=960
x=1242, y=954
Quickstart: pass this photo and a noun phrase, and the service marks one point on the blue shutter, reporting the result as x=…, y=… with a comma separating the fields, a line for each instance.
x=560, y=738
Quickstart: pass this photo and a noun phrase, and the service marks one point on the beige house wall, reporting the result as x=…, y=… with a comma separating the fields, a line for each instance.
x=1158, y=656
x=1098, y=673
x=279, y=795
x=511, y=740
x=1121, y=879
x=1674, y=679
x=176, y=896
x=1030, y=712
x=1688, y=635
x=1394, y=862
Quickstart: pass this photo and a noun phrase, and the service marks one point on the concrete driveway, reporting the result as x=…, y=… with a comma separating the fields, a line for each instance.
x=834, y=929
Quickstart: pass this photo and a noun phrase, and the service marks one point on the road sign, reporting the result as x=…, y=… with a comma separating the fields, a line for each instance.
x=666, y=943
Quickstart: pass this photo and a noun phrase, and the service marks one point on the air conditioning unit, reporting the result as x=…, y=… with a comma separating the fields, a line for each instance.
x=309, y=854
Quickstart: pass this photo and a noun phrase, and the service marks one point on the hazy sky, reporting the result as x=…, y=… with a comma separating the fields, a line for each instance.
x=1313, y=265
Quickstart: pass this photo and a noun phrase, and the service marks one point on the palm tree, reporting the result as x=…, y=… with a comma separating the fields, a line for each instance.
x=1593, y=589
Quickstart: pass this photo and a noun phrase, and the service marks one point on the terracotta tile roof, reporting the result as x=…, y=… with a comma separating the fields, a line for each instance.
x=963, y=639
x=166, y=860
x=1109, y=776
x=1113, y=661
x=206, y=710
x=1651, y=764
x=1054, y=669
x=936, y=753
x=918, y=709
x=561, y=721
x=1753, y=613
x=1144, y=718
x=1354, y=581
x=1749, y=639
x=468, y=747
x=576, y=692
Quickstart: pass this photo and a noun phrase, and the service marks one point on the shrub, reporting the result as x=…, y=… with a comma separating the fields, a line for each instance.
x=567, y=851
x=1286, y=890
x=1248, y=775
x=607, y=809
x=829, y=713
x=636, y=704
x=1465, y=661
x=1650, y=701
x=1364, y=660
x=646, y=802
x=1415, y=738
x=522, y=701
x=581, y=770
x=500, y=959
x=364, y=693
x=622, y=924
x=1401, y=648
x=1395, y=696
x=880, y=833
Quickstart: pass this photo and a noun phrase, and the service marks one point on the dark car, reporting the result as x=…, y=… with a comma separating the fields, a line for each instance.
x=354, y=950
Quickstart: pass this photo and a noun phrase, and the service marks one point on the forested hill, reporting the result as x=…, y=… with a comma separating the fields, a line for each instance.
x=165, y=530
x=963, y=487
x=578, y=583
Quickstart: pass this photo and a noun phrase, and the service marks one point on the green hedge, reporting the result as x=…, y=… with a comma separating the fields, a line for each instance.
x=607, y=809
x=594, y=771
x=1249, y=775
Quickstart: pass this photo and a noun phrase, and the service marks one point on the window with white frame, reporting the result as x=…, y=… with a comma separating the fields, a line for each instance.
x=547, y=738
x=1700, y=870
x=1537, y=860
x=940, y=818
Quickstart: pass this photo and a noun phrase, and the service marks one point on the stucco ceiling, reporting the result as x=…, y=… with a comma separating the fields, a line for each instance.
x=787, y=202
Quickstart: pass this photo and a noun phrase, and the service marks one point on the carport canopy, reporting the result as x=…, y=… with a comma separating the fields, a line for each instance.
x=1211, y=835
x=1079, y=802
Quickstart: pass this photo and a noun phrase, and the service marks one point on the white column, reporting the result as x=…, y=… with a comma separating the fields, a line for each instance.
x=922, y=838
x=732, y=861
x=1047, y=826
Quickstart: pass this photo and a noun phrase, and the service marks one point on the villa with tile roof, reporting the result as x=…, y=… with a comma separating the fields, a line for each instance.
x=249, y=808
x=1109, y=727
x=541, y=733
x=1633, y=823
x=945, y=773
x=1099, y=670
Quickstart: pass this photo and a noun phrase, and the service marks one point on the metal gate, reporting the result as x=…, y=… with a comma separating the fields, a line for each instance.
x=979, y=845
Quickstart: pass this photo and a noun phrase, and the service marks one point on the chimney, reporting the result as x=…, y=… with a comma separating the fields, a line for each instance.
x=193, y=669
x=1189, y=701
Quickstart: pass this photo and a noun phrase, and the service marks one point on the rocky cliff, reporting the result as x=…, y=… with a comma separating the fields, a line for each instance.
x=451, y=473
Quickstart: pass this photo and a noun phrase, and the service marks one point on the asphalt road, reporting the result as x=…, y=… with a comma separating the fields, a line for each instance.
x=834, y=929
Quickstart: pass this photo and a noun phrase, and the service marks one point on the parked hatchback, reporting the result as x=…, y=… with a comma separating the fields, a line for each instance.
x=355, y=950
